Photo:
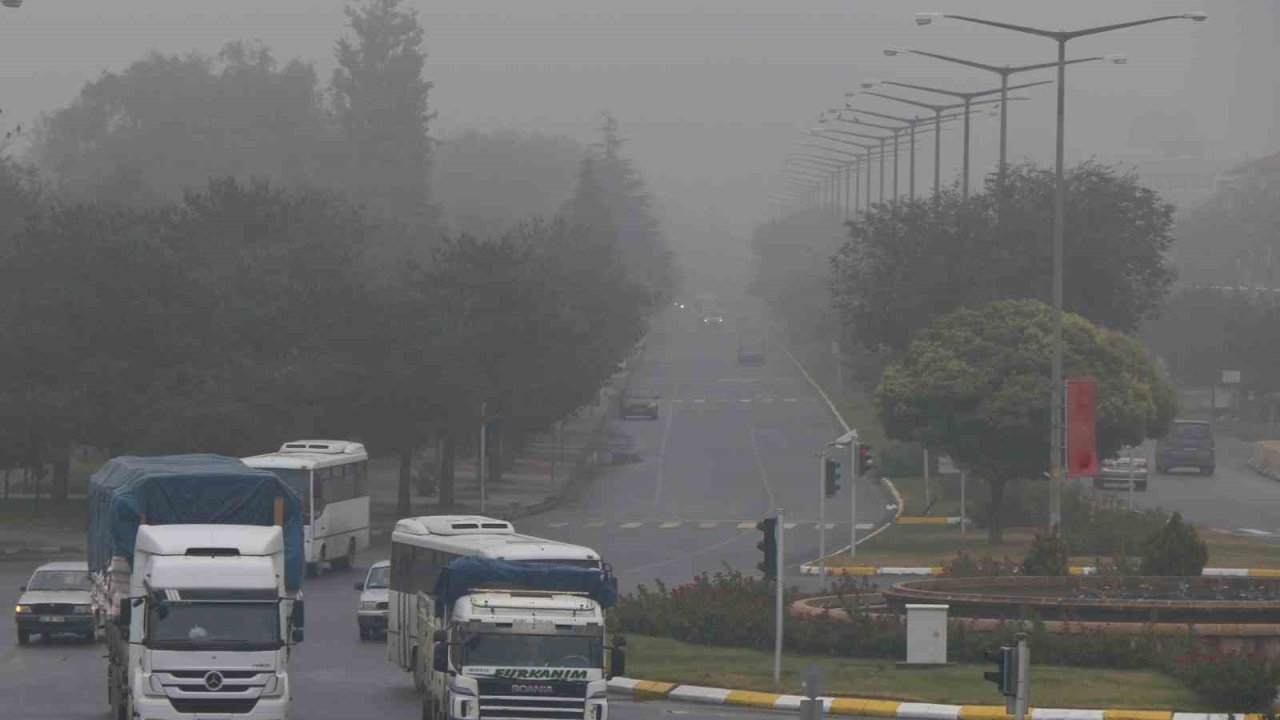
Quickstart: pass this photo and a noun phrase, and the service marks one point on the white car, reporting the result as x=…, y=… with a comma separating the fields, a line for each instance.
x=55, y=601
x=372, y=612
x=1115, y=472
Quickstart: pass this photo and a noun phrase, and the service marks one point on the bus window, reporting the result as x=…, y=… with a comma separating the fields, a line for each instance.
x=359, y=470
x=320, y=490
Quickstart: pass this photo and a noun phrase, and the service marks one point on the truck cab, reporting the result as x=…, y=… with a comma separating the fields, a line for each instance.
x=206, y=627
x=520, y=653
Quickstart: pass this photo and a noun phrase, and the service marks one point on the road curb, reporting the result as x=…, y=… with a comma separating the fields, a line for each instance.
x=872, y=707
x=812, y=568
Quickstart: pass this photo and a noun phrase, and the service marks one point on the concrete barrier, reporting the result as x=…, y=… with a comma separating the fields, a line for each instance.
x=1266, y=458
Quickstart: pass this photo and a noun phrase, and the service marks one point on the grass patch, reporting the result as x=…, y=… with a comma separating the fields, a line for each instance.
x=673, y=661
x=1237, y=552
x=942, y=498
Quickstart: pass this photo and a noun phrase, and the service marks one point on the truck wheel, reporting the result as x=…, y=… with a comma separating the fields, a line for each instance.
x=23, y=637
x=348, y=561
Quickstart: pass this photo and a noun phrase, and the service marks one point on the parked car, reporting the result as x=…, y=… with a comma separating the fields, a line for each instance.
x=1114, y=473
x=635, y=405
x=372, y=612
x=1188, y=444
x=55, y=601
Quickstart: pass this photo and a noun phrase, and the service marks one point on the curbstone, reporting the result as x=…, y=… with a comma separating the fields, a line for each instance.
x=812, y=568
x=870, y=707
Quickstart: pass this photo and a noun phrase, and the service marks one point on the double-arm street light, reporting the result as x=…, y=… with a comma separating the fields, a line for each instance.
x=850, y=168
x=966, y=99
x=832, y=168
x=1062, y=37
x=910, y=124
x=827, y=133
x=1004, y=71
x=864, y=160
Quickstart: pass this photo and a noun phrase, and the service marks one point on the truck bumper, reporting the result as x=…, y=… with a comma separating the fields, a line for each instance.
x=150, y=707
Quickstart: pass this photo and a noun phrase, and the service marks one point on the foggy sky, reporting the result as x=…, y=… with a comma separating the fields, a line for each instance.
x=712, y=94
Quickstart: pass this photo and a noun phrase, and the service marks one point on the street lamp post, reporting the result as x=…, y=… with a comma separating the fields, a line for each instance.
x=966, y=99
x=1062, y=37
x=911, y=124
x=1004, y=71
x=825, y=134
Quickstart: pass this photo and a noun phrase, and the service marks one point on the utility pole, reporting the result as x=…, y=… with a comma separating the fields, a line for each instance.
x=780, y=584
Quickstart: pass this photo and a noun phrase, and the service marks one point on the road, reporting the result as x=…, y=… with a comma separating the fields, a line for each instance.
x=731, y=444
x=335, y=675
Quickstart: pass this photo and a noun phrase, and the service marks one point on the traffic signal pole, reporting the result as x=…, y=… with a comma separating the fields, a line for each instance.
x=822, y=519
x=855, y=474
x=779, y=585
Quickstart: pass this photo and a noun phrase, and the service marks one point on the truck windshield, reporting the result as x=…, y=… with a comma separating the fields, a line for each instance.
x=540, y=651
x=213, y=625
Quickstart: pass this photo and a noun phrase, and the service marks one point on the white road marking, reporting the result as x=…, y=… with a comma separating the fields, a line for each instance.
x=764, y=476
x=789, y=400
x=745, y=400
x=1253, y=531
x=700, y=400
x=789, y=526
x=662, y=457
x=708, y=525
x=669, y=525
x=746, y=526
x=557, y=524
x=596, y=524
x=630, y=525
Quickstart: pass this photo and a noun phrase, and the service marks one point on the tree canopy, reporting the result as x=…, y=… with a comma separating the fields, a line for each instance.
x=907, y=263
x=975, y=386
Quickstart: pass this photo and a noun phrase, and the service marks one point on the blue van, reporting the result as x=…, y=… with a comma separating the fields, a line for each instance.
x=1188, y=444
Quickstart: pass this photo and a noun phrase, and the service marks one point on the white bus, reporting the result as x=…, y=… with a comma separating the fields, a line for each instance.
x=422, y=546
x=331, y=477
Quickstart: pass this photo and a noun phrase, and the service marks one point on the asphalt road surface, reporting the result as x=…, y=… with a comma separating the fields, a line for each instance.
x=731, y=444
x=335, y=675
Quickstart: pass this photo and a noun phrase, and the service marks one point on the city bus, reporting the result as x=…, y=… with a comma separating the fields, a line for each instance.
x=422, y=546
x=331, y=478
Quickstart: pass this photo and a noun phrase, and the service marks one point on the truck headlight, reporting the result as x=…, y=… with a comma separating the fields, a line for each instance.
x=368, y=604
x=22, y=609
x=82, y=609
x=274, y=687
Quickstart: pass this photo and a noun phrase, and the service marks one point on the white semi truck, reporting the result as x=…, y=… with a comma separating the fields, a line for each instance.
x=497, y=625
x=197, y=565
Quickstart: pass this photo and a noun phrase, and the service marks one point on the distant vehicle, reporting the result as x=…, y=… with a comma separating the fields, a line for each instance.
x=56, y=601
x=1114, y=473
x=372, y=612
x=713, y=321
x=330, y=476
x=635, y=405
x=1189, y=444
x=750, y=351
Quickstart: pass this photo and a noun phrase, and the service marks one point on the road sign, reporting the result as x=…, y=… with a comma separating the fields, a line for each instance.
x=1230, y=377
x=946, y=466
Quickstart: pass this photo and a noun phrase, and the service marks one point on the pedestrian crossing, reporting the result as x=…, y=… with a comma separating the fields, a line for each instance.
x=689, y=525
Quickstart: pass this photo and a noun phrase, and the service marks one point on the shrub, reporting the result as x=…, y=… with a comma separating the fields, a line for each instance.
x=1047, y=556
x=966, y=565
x=1174, y=550
x=1231, y=682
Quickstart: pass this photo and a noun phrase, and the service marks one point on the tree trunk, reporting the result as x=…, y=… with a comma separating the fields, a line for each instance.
x=404, y=507
x=61, y=474
x=423, y=471
x=995, y=523
x=448, y=453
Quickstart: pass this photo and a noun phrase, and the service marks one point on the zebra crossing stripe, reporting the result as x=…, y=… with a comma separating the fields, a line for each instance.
x=746, y=526
x=708, y=525
x=596, y=524
x=669, y=525
x=630, y=525
x=556, y=524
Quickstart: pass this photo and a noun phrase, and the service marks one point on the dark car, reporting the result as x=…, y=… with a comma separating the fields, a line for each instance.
x=1189, y=444
x=751, y=352
x=638, y=406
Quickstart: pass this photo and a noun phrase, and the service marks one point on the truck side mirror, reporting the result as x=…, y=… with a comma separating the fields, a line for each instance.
x=125, y=614
x=296, y=635
x=360, y=585
x=619, y=664
x=440, y=636
x=22, y=588
x=299, y=614
x=620, y=641
x=440, y=657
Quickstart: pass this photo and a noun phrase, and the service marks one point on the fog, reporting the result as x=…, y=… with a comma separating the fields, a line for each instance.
x=712, y=95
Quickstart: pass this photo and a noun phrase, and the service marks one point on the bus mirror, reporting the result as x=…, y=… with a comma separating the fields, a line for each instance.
x=296, y=636
x=440, y=636
x=299, y=614
x=440, y=657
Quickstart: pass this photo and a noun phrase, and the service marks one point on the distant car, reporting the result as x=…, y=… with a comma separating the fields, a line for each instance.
x=1114, y=473
x=55, y=601
x=638, y=406
x=1189, y=444
x=713, y=321
x=372, y=612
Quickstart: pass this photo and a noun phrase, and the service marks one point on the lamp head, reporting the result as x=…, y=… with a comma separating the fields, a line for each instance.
x=869, y=83
x=891, y=52
x=926, y=18
x=11, y=3
x=1198, y=15
x=1118, y=59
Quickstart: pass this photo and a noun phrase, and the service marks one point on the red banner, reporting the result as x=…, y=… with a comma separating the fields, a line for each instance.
x=1082, y=447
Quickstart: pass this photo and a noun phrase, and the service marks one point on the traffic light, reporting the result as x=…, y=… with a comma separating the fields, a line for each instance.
x=769, y=546
x=1005, y=676
x=831, y=477
x=865, y=461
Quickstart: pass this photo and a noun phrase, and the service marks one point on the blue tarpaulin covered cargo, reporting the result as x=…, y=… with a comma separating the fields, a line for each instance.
x=473, y=573
x=187, y=490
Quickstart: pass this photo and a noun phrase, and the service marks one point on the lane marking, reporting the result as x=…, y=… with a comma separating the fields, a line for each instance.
x=556, y=524
x=745, y=400
x=1253, y=531
x=669, y=525
x=746, y=526
x=630, y=525
x=596, y=524
x=699, y=400
x=686, y=556
x=789, y=400
x=662, y=457
x=708, y=525
x=789, y=526
x=764, y=476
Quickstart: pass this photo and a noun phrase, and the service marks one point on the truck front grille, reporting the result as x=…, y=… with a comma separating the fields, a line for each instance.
x=524, y=707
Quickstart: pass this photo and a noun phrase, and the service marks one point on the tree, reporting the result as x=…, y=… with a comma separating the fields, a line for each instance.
x=792, y=267
x=610, y=197
x=975, y=386
x=1231, y=239
x=908, y=263
x=168, y=123
x=488, y=182
x=380, y=100
x=1175, y=550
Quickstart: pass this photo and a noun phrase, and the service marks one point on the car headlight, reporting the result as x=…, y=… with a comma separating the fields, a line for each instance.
x=368, y=604
x=273, y=688
x=82, y=609
x=21, y=609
